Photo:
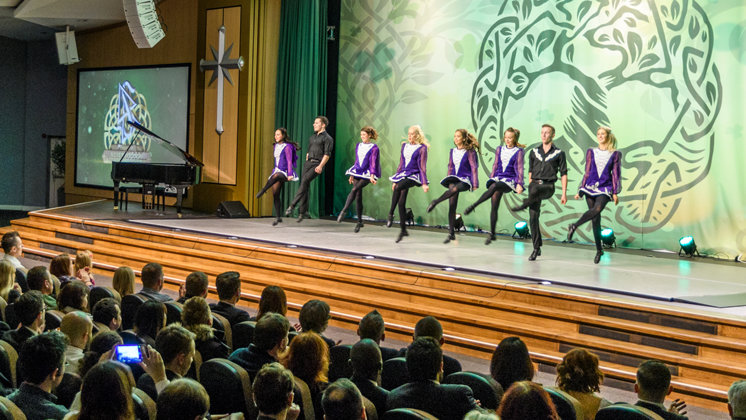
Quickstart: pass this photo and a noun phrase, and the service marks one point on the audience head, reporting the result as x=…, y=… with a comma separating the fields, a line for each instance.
x=152, y=276
x=108, y=312
x=196, y=284
x=273, y=389
x=78, y=328
x=176, y=345
x=371, y=326
x=29, y=308
x=229, y=286
x=74, y=295
x=7, y=278
x=196, y=312
x=83, y=260
x=62, y=265
x=271, y=333
x=653, y=381
x=38, y=278
x=150, y=318
x=481, y=415
x=526, y=400
x=314, y=316
x=511, y=362
x=107, y=392
x=183, y=399
x=365, y=357
x=424, y=359
x=273, y=299
x=579, y=372
x=737, y=399
x=429, y=326
x=124, y=281
x=308, y=358
x=100, y=344
x=42, y=359
x=342, y=400
x=12, y=244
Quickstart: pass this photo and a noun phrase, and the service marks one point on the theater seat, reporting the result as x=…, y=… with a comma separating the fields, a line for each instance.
x=407, y=414
x=228, y=386
x=243, y=334
x=10, y=411
x=339, y=362
x=130, y=304
x=370, y=409
x=52, y=319
x=173, y=311
x=394, y=373
x=223, y=325
x=626, y=411
x=145, y=408
x=102, y=292
x=12, y=357
x=484, y=387
x=302, y=397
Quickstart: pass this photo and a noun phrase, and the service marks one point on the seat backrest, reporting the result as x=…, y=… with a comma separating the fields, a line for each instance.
x=6, y=377
x=10, y=411
x=129, y=337
x=407, y=414
x=3, y=304
x=197, y=363
x=225, y=326
x=101, y=292
x=568, y=407
x=145, y=407
x=12, y=361
x=394, y=373
x=370, y=409
x=303, y=398
x=130, y=304
x=242, y=334
x=100, y=327
x=228, y=386
x=173, y=311
x=484, y=387
x=10, y=316
x=292, y=335
x=56, y=285
x=624, y=411
x=52, y=319
x=339, y=362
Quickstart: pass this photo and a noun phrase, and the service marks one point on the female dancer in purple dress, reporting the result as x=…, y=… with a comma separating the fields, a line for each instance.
x=601, y=183
x=462, y=175
x=366, y=170
x=507, y=176
x=285, y=161
x=412, y=172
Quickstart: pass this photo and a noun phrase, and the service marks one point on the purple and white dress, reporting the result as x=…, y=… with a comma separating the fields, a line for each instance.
x=462, y=167
x=603, y=175
x=508, y=167
x=285, y=160
x=412, y=164
x=367, y=164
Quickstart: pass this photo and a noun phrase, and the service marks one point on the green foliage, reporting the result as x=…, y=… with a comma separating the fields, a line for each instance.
x=58, y=159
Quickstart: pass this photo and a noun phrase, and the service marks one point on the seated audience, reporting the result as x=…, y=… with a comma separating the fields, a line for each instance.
x=63, y=267
x=196, y=317
x=84, y=267
x=42, y=360
x=106, y=393
x=429, y=326
x=511, y=362
x=272, y=300
x=578, y=375
x=152, y=283
x=314, y=316
x=308, y=359
x=150, y=318
x=99, y=345
x=108, y=313
x=124, y=281
x=481, y=415
x=342, y=401
x=73, y=297
x=9, y=289
x=270, y=342
x=272, y=391
x=737, y=400
x=195, y=285
x=652, y=386
x=183, y=399
x=228, y=285
x=424, y=391
x=365, y=358
x=29, y=309
x=13, y=248
x=176, y=347
x=38, y=278
x=526, y=400
x=372, y=326
x=78, y=327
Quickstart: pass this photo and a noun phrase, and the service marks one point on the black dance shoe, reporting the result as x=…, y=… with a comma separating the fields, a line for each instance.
x=289, y=211
x=358, y=226
x=597, y=258
x=431, y=206
x=278, y=220
x=571, y=231
x=340, y=217
x=390, y=220
x=490, y=239
x=449, y=238
x=536, y=253
x=469, y=209
x=303, y=216
x=401, y=236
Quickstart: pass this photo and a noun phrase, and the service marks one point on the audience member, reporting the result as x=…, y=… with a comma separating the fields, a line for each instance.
x=228, y=285
x=578, y=375
x=481, y=415
x=78, y=327
x=196, y=317
x=84, y=267
x=29, y=310
x=63, y=267
x=74, y=297
x=372, y=326
x=124, y=281
x=424, y=391
x=365, y=358
x=107, y=393
x=737, y=400
x=9, y=289
x=526, y=400
x=342, y=401
x=13, y=248
x=273, y=299
x=652, y=386
x=108, y=313
x=314, y=316
x=150, y=318
x=195, y=285
x=176, y=346
x=183, y=399
x=270, y=342
x=152, y=283
x=38, y=278
x=99, y=345
x=273, y=393
x=429, y=326
x=308, y=359
x=42, y=361
x=511, y=362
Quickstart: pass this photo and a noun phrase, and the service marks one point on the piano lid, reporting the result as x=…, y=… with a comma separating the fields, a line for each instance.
x=174, y=149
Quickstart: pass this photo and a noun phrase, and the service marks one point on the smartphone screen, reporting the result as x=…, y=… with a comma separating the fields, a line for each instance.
x=128, y=354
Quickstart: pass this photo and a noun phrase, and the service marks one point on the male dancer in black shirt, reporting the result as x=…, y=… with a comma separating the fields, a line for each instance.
x=544, y=163
x=320, y=146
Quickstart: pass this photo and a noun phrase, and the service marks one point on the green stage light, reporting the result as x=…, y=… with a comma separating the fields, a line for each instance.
x=688, y=246
x=521, y=230
x=608, y=238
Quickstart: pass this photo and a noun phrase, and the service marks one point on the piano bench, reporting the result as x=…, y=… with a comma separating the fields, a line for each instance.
x=124, y=195
x=157, y=198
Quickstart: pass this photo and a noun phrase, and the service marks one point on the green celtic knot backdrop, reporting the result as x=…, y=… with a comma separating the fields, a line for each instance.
x=667, y=75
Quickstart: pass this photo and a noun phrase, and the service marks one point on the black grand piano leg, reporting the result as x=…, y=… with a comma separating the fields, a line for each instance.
x=116, y=195
x=179, y=196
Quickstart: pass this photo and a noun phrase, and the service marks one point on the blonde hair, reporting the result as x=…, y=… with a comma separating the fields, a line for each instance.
x=83, y=259
x=7, y=278
x=420, y=136
x=195, y=311
x=124, y=281
x=610, y=137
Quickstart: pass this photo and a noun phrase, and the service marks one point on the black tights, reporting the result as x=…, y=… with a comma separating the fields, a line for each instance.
x=596, y=205
x=356, y=194
x=451, y=194
x=400, y=198
x=276, y=182
x=495, y=191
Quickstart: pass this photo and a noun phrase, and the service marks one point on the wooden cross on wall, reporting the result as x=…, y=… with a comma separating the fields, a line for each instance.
x=220, y=65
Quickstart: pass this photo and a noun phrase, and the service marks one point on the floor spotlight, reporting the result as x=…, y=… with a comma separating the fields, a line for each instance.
x=688, y=247
x=608, y=238
x=409, y=217
x=459, y=223
x=521, y=230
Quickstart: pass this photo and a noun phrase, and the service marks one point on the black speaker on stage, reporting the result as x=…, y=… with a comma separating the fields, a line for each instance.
x=232, y=210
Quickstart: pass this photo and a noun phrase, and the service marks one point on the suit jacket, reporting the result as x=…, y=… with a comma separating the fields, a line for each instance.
x=17, y=337
x=230, y=312
x=155, y=295
x=145, y=383
x=446, y=402
x=667, y=415
x=373, y=392
x=450, y=365
x=388, y=353
x=251, y=358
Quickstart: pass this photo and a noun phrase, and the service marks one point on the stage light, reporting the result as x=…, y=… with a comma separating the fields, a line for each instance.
x=608, y=238
x=410, y=217
x=688, y=246
x=521, y=230
x=459, y=223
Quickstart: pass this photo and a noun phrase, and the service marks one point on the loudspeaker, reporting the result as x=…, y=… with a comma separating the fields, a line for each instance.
x=142, y=20
x=232, y=210
x=67, y=49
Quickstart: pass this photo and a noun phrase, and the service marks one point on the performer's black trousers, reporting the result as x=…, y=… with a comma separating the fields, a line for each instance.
x=309, y=173
x=536, y=193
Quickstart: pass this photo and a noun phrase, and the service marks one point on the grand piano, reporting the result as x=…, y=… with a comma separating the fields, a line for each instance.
x=178, y=176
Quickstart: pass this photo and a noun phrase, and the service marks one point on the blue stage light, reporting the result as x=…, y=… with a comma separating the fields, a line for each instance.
x=688, y=246
x=521, y=230
x=608, y=238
